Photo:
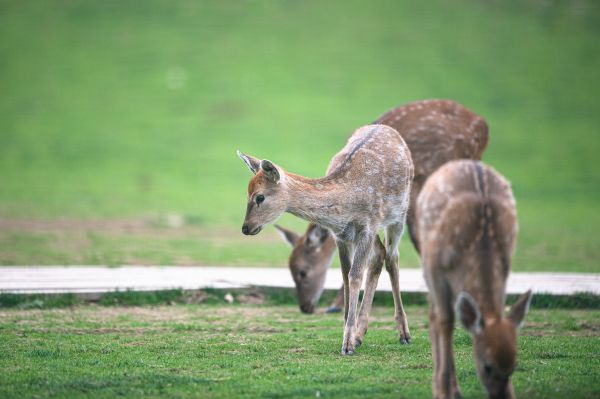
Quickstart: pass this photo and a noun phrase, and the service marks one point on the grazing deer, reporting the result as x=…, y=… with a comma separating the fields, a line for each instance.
x=436, y=131
x=467, y=224
x=366, y=189
x=311, y=256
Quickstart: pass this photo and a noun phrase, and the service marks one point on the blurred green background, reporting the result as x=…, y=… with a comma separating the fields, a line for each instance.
x=119, y=120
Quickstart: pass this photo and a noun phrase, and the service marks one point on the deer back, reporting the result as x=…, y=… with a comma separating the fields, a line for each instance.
x=373, y=174
x=436, y=131
x=468, y=225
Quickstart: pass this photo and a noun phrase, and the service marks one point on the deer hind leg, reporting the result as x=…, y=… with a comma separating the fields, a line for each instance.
x=411, y=223
x=373, y=272
x=363, y=245
x=392, y=238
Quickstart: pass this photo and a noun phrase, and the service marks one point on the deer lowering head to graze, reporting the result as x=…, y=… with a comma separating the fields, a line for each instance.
x=315, y=247
x=467, y=224
x=366, y=189
x=436, y=131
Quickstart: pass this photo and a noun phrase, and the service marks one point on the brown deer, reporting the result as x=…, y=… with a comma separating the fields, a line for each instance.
x=366, y=189
x=436, y=131
x=309, y=261
x=467, y=224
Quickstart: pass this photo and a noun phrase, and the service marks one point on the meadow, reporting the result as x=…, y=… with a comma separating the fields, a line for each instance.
x=223, y=351
x=119, y=121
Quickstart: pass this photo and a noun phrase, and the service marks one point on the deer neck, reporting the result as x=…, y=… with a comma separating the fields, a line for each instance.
x=316, y=200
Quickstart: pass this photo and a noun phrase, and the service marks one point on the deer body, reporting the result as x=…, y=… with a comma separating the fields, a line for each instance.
x=467, y=225
x=436, y=131
x=366, y=189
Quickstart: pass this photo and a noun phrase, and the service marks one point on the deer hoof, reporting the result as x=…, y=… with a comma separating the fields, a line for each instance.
x=357, y=342
x=347, y=349
x=405, y=340
x=333, y=309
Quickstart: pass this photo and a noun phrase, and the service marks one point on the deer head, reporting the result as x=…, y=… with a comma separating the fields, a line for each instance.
x=495, y=342
x=267, y=198
x=308, y=263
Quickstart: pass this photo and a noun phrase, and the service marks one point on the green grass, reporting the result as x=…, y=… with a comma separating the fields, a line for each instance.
x=264, y=351
x=122, y=110
x=264, y=295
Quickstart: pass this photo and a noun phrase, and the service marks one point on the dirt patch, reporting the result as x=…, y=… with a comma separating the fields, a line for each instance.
x=139, y=314
x=253, y=298
x=101, y=331
x=76, y=225
x=252, y=316
x=268, y=330
x=196, y=297
x=95, y=314
x=574, y=328
x=155, y=226
x=135, y=241
x=592, y=327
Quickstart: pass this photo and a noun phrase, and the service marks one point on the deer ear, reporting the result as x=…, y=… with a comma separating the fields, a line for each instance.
x=468, y=313
x=253, y=163
x=270, y=171
x=519, y=309
x=289, y=236
x=316, y=236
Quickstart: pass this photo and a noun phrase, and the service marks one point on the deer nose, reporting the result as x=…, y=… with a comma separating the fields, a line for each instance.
x=307, y=308
x=245, y=229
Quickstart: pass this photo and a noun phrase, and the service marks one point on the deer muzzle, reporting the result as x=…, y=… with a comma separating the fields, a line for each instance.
x=250, y=231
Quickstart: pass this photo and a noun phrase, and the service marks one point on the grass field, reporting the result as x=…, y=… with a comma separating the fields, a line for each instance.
x=267, y=351
x=121, y=114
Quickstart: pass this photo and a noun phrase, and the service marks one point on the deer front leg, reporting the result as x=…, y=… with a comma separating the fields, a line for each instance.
x=445, y=374
x=435, y=350
x=362, y=247
x=373, y=272
x=510, y=391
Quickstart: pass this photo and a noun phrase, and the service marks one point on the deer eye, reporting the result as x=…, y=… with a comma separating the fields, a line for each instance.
x=302, y=274
x=487, y=369
x=260, y=199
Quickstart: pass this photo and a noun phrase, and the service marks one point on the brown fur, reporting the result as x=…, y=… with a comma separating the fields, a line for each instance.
x=314, y=247
x=256, y=183
x=436, y=131
x=467, y=225
x=366, y=189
